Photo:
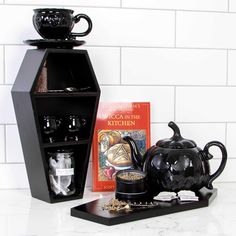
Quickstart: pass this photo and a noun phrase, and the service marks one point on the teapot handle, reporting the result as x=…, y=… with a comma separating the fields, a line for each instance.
x=208, y=156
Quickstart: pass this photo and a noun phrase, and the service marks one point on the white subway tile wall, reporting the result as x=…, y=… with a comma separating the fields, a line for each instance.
x=13, y=146
x=2, y=144
x=232, y=5
x=162, y=66
x=204, y=5
x=231, y=137
x=125, y=27
x=178, y=54
x=232, y=67
x=7, y=115
x=205, y=104
x=1, y=65
x=13, y=59
x=205, y=29
x=103, y=58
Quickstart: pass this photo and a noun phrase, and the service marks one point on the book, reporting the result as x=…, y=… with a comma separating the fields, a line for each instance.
x=110, y=153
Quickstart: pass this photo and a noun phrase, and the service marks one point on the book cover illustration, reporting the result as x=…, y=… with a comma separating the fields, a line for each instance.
x=110, y=152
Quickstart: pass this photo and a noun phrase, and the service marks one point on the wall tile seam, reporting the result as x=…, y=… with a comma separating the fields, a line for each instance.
x=122, y=8
x=226, y=134
x=169, y=85
x=180, y=10
x=175, y=29
x=4, y=63
x=60, y=5
x=130, y=46
x=193, y=122
x=5, y=142
x=227, y=68
x=175, y=99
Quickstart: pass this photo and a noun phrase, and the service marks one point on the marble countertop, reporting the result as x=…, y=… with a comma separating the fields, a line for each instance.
x=22, y=215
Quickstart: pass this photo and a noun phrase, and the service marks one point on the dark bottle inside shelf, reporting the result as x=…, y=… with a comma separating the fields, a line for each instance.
x=61, y=172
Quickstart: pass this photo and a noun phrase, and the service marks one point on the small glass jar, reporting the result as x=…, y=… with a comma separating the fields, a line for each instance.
x=61, y=172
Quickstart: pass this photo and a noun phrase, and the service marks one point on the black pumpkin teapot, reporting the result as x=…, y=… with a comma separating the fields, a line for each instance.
x=176, y=164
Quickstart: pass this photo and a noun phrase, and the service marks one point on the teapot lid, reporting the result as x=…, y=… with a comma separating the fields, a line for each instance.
x=176, y=141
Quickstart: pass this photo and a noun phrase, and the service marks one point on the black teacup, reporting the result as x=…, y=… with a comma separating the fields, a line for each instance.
x=73, y=125
x=50, y=126
x=54, y=23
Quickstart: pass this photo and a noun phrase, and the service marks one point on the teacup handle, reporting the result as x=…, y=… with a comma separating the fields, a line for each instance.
x=209, y=156
x=90, y=25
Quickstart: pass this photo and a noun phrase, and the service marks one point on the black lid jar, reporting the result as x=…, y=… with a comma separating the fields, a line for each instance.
x=131, y=185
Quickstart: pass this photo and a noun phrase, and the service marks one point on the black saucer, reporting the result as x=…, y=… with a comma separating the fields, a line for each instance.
x=54, y=43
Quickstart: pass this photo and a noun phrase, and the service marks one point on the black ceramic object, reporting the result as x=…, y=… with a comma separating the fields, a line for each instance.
x=73, y=126
x=54, y=23
x=177, y=164
x=54, y=43
x=50, y=126
x=133, y=190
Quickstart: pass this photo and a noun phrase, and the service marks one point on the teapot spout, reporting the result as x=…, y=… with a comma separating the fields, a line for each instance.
x=136, y=156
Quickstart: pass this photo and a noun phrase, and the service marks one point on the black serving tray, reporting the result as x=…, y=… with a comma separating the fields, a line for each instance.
x=93, y=211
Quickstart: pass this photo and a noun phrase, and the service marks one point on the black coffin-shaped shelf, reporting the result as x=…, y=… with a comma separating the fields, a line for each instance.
x=37, y=94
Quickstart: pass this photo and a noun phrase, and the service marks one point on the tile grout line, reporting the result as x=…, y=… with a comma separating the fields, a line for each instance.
x=175, y=27
x=193, y=122
x=227, y=67
x=226, y=133
x=228, y=5
x=4, y=64
x=5, y=142
x=124, y=8
x=121, y=4
x=136, y=46
x=175, y=103
x=170, y=85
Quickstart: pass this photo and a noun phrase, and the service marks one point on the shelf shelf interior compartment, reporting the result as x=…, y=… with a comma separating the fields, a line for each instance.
x=80, y=164
x=65, y=70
